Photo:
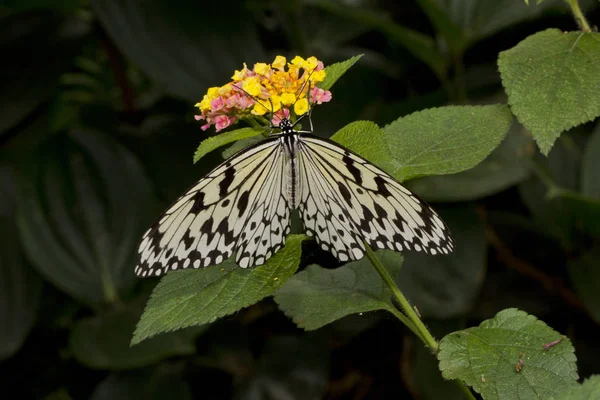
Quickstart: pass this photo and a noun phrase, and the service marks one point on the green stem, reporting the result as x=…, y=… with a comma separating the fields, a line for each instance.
x=411, y=319
x=581, y=21
x=424, y=334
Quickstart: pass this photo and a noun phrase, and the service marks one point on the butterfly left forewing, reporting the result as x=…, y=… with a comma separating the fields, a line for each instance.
x=379, y=209
x=213, y=218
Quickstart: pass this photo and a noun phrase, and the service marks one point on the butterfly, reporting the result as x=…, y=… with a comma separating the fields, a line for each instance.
x=243, y=206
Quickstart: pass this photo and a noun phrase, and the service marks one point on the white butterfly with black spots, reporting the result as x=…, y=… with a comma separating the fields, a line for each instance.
x=244, y=206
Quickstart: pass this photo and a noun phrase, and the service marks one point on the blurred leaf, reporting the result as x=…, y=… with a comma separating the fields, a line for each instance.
x=40, y=47
x=194, y=297
x=481, y=19
x=102, y=342
x=590, y=168
x=214, y=142
x=84, y=203
x=558, y=172
x=159, y=383
x=552, y=80
x=445, y=27
x=185, y=46
x=419, y=45
x=486, y=357
x=291, y=367
x=588, y=390
x=317, y=296
x=66, y=6
x=335, y=72
x=366, y=139
x=20, y=292
x=504, y=167
x=584, y=211
x=445, y=286
x=446, y=139
x=585, y=276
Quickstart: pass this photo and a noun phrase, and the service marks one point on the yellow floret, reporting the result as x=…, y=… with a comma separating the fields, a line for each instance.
x=261, y=68
x=252, y=86
x=301, y=106
x=279, y=63
x=288, y=98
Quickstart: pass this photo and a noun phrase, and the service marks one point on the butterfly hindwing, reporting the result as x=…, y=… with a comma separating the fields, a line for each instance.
x=359, y=201
x=240, y=206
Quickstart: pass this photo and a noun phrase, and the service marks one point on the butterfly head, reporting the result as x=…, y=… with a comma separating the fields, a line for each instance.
x=286, y=126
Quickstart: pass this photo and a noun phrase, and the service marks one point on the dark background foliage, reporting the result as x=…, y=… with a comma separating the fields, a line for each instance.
x=97, y=136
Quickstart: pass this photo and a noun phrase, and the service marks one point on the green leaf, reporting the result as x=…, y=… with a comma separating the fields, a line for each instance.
x=20, y=292
x=169, y=41
x=584, y=211
x=504, y=167
x=194, y=297
x=446, y=286
x=588, y=390
x=445, y=140
x=317, y=296
x=420, y=45
x=214, y=142
x=553, y=79
x=366, y=139
x=40, y=47
x=335, y=72
x=585, y=276
x=160, y=383
x=75, y=220
x=486, y=358
x=102, y=342
x=590, y=168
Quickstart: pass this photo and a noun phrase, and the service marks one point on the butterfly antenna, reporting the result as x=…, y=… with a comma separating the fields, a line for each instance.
x=261, y=103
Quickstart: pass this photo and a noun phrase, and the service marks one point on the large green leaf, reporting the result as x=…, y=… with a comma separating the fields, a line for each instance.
x=194, y=297
x=160, y=383
x=40, y=47
x=445, y=140
x=317, y=296
x=585, y=276
x=553, y=82
x=504, y=167
x=184, y=46
x=487, y=358
x=445, y=286
x=20, y=292
x=84, y=204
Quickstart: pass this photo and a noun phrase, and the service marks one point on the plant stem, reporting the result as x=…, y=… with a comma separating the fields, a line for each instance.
x=424, y=334
x=581, y=21
x=410, y=319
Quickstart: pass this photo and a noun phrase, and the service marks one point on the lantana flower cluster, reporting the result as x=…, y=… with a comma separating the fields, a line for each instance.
x=278, y=88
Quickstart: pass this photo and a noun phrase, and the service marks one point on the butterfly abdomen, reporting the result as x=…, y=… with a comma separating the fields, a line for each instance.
x=290, y=146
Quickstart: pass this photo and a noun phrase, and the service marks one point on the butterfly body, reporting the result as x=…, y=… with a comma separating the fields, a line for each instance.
x=244, y=206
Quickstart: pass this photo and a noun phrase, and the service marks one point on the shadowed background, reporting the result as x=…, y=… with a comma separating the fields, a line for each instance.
x=97, y=136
